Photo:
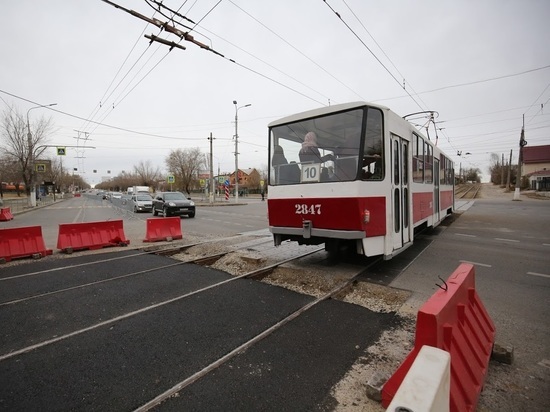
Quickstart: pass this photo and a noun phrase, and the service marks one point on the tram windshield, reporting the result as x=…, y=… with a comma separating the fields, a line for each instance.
x=336, y=147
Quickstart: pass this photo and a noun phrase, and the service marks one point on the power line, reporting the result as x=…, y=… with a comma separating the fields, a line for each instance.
x=536, y=100
x=298, y=50
x=469, y=83
x=99, y=105
x=187, y=37
x=371, y=52
x=381, y=49
x=102, y=124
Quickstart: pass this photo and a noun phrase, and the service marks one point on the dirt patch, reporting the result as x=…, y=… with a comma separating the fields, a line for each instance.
x=378, y=363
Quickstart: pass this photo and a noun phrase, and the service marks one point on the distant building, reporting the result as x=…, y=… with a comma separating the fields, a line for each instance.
x=536, y=166
x=248, y=179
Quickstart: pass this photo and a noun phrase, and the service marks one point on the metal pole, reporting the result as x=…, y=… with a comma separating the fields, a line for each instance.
x=237, y=149
x=211, y=171
x=236, y=154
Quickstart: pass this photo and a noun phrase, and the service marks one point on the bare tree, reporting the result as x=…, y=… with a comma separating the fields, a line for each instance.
x=23, y=142
x=148, y=175
x=185, y=164
x=8, y=173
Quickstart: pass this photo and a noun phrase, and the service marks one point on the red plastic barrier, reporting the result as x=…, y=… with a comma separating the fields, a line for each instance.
x=5, y=214
x=168, y=228
x=457, y=322
x=20, y=242
x=91, y=235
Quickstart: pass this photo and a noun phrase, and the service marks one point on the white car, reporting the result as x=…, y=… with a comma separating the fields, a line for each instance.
x=143, y=202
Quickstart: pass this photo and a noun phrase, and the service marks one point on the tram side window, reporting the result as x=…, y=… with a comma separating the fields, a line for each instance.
x=442, y=170
x=446, y=174
x=372, y=167
x=428, y=164
x=418, y=159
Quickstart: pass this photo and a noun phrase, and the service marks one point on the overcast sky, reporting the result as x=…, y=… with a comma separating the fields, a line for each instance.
x=480, y=64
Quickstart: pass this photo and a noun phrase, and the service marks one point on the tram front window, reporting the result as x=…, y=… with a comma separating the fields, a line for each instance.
x=330, y=148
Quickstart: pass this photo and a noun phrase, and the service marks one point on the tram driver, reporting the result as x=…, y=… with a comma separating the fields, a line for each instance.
x=309, y=153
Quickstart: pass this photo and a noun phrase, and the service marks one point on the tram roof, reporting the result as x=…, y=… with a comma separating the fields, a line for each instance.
x=324, y=110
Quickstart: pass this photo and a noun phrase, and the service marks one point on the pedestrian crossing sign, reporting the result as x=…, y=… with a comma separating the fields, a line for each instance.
x=61, y=151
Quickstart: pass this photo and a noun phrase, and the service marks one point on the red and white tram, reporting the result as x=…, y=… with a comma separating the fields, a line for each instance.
x=355, y=174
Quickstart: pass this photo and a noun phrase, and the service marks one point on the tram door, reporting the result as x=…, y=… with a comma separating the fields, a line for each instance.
x=400, y=192
x=437, y=206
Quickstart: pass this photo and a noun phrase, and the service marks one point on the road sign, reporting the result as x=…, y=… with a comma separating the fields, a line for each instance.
x=226, y=183
x=61, y=151
x=170, y=179
x=40, y=167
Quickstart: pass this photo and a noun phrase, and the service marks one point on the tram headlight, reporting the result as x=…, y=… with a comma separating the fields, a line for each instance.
x=366, y=216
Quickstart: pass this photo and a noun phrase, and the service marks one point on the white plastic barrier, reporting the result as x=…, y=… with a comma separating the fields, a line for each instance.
x=427, y=385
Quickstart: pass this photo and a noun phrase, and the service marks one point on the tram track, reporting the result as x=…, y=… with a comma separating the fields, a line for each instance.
x=264, y=334
x=200, y=254
x=144, y=250
x=198, y=260
x=467, y=191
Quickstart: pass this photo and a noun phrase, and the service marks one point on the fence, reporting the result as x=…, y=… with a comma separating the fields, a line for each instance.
x=19, y=204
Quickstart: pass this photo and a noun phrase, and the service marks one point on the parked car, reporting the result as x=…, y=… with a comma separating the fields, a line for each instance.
x=173, y=203
x=142, y=202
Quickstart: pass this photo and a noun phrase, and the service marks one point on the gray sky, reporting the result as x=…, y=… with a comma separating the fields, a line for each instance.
x=480, y=64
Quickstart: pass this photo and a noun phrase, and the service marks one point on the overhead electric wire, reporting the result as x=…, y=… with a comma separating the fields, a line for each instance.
x=381, y=49
x=119, y=100
x=174, y=12
x=298, y=50
x=536, y=100
x=207, y=13
x=187, y=37
x=468, y=83
x=371, y=52
x=98, y=106
x=113, y=104
x=255, y=55
x=101, y=124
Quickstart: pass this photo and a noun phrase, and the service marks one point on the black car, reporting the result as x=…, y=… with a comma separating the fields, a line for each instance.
x=173, y=203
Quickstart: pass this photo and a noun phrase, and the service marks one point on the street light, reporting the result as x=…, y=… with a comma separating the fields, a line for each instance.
x=237, y=149
x=32, y=197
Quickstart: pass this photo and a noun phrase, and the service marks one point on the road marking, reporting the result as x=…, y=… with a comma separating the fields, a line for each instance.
x=476, y=263
x=542, y=275
x=546, y=244
x=465, y=235
x=507, y=240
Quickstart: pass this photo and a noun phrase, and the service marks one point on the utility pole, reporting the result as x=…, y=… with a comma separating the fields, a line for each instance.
x=509, y=171
x=502, y=171
x=211, y=171
x=522, y=142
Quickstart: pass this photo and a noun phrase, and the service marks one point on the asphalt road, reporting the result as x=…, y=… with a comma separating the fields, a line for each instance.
x=115, y=345
x=248, y=215
x=509, y=244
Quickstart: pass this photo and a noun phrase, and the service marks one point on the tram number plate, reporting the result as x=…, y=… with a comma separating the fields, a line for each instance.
x=311, y=172
x=302, y=209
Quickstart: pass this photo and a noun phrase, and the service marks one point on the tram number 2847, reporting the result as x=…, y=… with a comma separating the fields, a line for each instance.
x=301, y=209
